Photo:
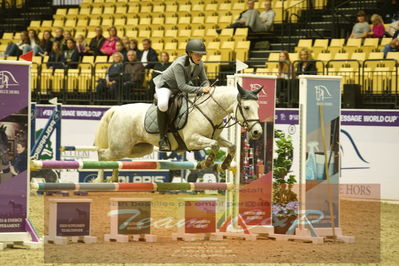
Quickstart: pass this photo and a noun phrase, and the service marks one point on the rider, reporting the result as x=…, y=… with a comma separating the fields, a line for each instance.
x=178, y=77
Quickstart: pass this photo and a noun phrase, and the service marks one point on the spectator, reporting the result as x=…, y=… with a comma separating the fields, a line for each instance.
x=161, y=66
x=284, y=69
x=71, y=55
x=148, y=56
x=378, y=30
x=112, y=80
x=266, y=18
x=67, y=36
x=393, y=29
x=134, y=45
x=81, y=45
x=59, y=35
x=46, y=42
x=121, y=49
x=126, y=42
x=109, y=46
x=97, y=42
x=391, y=47
x=247, y=18
x=158, y=69
x=362, y=28
x=134, y=72
x=20, y=162
x=306, y=66
x=35, y=43
x=21, y=47
x=56, y=58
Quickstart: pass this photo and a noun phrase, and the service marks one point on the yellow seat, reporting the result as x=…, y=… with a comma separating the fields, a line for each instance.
x=184, y=20
x=199, y=33
x=225, y=21
x=45, y=80
x=73, y=11
x=212, y=20
x=341, y=56
x=170, y=35
x=359, y=56
x=158, y=20
x=132, y=21
x=120, y=22
x=85, y=80
x=213, y=65
x=146, y=34
x=60, y=13
x=70, y=23
x=372, y=42
x=12, y=58
x=239, y=6
x=121, y=10
x=58, y=23
x=171, y=20
x=157, y=46
x=211, y=34
x=242, y=49
x=376, y=55
x=171, y=7
x=97, y=11
x=274, y=57
x=170, y=47
x=324, y=57
x=227, y=50
x=226, y=34
x=72, y=80
x=185, y=8
x=132, y=34
x=9, y=35
x=393, y=55
x=303, y=43
x=225, y=7
x=158, y=8
x=212, y=7
x=34, y=24
x=58, y=80
x=293, y=57
x=213, y=47
x=199, y=20
x=145, y=21
x=337, y=43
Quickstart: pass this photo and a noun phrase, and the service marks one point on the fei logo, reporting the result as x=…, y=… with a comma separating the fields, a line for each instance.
x=257, y=86
x=322, y=93
x=7, y=79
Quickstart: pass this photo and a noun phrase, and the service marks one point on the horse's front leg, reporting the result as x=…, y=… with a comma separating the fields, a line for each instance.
x=202, y=142
x=230, y=153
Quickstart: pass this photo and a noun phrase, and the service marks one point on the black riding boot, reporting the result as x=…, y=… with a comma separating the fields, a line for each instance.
x=163, y=130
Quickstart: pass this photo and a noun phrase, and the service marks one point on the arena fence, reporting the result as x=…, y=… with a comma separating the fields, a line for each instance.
x=86, y=83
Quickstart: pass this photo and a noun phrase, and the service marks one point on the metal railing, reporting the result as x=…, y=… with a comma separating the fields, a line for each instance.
x=85, y=83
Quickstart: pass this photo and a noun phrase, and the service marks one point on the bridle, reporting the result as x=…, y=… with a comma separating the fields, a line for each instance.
x=226, y=124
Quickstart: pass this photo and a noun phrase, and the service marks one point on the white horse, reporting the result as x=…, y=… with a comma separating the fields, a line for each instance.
x=121, y=132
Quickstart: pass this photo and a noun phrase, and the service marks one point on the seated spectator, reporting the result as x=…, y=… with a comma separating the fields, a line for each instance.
x=71, y=55
x=134, y=45
x=109, y=46
x=112, y=81
x=266, y=18
x=35, y=43
x=148, y=56
x=126, y=42
x=158, y=69
x=121, y=49
x=46, y=42
x=67, y=36
x=393, y=30
x=56, y=58
x=284, y=66
x=134, y=72
x=59, y=35
x=21, y=47
x=391, y=47
x=162, y=65
x=362, y=28
x=306, y=66
x=378, y=30
x=81, y=45
x=247, y=18
x=19, y=164
x=97, y=42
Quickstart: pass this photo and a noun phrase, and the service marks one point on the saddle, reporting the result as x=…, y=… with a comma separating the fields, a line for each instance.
x=177, y=115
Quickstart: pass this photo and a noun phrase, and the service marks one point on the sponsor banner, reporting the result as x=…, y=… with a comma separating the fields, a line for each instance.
x=320, y=103
x=368, y=150
x=72, y=112
x=73, y=219
x=129, y=176
x=256, y=158
x=14, y=140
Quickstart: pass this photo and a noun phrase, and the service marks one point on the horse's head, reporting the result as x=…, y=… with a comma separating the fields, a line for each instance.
x=3, y=140
x=247, y=111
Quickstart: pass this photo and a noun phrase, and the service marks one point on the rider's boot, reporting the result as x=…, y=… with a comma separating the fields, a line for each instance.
x=164, y=144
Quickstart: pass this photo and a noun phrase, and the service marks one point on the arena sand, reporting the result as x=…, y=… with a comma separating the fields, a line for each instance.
x=376, y=241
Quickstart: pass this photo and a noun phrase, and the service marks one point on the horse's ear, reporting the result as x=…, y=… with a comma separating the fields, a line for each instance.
x=241, y=90
x=256, y=91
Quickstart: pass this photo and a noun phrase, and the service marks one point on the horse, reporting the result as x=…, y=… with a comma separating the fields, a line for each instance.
x=121, y=132
x=4, y=163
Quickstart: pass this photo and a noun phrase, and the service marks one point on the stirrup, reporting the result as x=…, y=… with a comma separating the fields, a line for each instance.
x=164, y=144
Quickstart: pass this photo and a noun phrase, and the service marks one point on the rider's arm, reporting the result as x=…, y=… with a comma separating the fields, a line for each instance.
x=203, y=78
x=178, y=71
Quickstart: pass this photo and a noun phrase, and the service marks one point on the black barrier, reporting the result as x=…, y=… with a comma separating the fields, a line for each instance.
x=85, y=83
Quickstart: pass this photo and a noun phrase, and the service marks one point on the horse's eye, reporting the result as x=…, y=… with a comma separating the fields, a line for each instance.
x=246, y=108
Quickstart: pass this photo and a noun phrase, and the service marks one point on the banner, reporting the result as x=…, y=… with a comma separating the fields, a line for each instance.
x=257, y=157
x=14, y=146
x=320, y=103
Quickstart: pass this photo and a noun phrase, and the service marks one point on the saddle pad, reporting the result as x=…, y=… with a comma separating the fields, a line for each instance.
x=151, y=121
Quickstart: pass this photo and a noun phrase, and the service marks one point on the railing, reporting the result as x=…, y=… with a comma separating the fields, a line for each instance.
x=85, y=83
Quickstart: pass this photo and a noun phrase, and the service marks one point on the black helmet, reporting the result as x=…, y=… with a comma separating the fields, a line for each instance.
x=195, y=46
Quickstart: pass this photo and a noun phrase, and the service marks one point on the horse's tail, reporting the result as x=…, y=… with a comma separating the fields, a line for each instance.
x=101, y=140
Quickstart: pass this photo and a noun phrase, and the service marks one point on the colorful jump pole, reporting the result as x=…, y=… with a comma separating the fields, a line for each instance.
x=95, y=165
x=132, y=187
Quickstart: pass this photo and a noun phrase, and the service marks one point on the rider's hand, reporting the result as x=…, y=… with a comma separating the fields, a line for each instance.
x=206, y=89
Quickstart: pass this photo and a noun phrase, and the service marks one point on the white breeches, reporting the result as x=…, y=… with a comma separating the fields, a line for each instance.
x=163, y=95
